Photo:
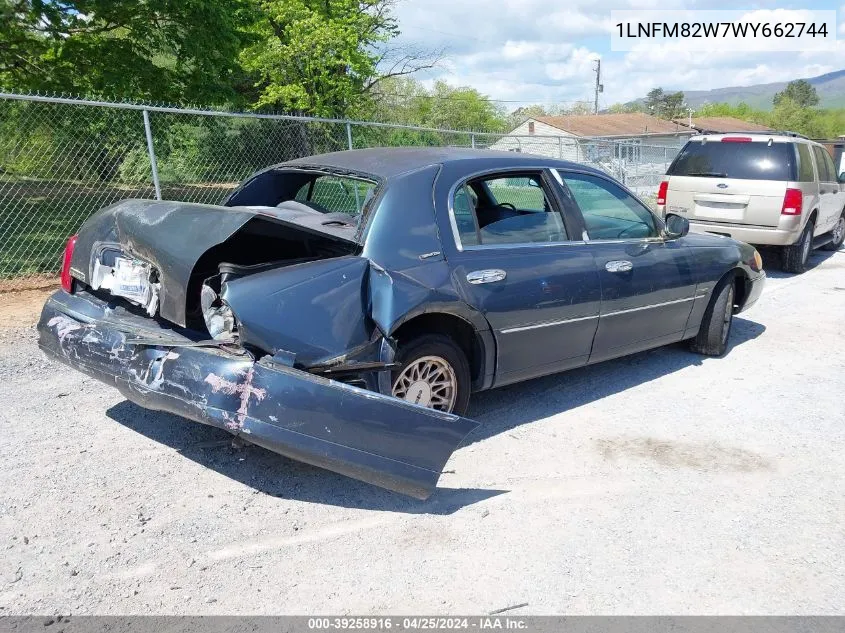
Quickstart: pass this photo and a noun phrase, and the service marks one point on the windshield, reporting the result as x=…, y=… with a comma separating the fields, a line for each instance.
x=742, y=160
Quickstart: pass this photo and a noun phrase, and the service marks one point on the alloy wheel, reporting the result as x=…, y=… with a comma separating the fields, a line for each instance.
x=429, y=381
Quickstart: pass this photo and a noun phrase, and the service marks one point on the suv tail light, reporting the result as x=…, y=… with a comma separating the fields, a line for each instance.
x=67, y=280
x=793, y=200
x=736, y=139
x=661, y=192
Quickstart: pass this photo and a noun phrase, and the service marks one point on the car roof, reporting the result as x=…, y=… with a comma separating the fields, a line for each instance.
x=756, y=137
x=389, y=162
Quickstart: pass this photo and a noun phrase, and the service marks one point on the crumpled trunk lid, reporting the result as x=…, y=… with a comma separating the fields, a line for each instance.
x=173, y=236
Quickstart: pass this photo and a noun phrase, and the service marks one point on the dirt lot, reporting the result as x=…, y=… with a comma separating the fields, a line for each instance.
x=660, y=483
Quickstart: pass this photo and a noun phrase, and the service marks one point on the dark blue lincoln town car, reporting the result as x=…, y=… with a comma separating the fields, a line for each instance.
x=340, y=309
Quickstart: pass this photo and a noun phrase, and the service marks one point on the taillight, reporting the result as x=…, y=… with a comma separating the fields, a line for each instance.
x=793, y=200
x=67, y=280
x=661, y=192
x=736, y=139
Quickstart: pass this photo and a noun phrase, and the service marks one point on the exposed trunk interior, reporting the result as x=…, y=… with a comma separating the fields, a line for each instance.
x=260, y=245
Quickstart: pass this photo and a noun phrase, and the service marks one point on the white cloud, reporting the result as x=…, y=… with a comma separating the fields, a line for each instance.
x=535, y=51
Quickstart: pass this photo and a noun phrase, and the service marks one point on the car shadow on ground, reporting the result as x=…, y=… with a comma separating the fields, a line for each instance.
x=277, y=476
x=501, y=410
x=498, y=411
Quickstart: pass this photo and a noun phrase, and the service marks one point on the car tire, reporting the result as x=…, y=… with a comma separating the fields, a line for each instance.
x=794, y=258
x=838, y=234
x=714, y=333
x=445, y=363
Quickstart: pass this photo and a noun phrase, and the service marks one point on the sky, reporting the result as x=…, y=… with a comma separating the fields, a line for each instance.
x=541, y=51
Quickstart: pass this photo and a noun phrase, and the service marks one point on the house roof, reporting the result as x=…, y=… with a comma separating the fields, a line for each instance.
x=623, y=124
x=720, y=124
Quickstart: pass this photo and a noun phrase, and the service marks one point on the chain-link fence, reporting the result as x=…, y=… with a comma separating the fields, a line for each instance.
x=63, y=159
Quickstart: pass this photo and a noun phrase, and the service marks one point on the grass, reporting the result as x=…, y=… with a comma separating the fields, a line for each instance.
x=37, y=217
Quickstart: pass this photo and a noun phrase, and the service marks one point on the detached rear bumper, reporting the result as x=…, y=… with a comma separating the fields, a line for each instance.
x=362, y=434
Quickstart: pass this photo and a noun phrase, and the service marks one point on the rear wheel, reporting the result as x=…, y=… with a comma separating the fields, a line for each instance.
x=712, y=337
x=795, y=257
x=434, y=373
x=838, y=235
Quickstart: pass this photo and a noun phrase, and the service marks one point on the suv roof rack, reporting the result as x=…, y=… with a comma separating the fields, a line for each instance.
x=788, y=133
x=759, y=133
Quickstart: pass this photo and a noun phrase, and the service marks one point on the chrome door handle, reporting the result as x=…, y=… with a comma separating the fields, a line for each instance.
x=486, y=276
x=618, y=266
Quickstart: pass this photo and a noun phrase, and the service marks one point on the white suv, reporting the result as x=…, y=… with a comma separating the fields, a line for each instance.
x=764, y=189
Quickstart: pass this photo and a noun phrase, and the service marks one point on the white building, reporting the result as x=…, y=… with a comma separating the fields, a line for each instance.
x=597, y=138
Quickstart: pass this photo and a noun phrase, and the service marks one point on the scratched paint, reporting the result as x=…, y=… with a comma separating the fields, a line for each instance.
x=64, y=326
x=244, y=390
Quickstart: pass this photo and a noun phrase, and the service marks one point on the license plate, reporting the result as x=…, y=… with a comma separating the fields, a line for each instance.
x=131, y=280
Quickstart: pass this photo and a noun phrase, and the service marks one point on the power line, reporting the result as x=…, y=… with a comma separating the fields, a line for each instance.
x=481, y=98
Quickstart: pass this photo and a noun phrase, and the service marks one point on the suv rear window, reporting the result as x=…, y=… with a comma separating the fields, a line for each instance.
x=742, y=160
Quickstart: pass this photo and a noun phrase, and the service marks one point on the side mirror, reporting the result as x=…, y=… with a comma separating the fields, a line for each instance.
x=676, y=225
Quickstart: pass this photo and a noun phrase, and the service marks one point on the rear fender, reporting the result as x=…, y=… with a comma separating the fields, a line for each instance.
x=317, y=310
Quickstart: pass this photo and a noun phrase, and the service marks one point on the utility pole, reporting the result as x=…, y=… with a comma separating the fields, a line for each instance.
x=599, y=86
x=690, y=111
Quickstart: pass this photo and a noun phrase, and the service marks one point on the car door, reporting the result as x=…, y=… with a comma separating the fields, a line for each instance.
x=513, y=260
x=647, y=285
x=830, y=203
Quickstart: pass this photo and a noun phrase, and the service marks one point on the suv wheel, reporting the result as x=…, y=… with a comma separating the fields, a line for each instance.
x=434, y=373
x=838, y=234
x=795, y=257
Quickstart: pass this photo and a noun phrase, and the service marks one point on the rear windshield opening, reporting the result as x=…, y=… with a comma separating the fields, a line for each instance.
x=744, y=161
x=336, y=194
x=325, y=193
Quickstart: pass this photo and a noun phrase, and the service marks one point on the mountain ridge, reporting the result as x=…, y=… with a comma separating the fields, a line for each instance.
x=829, y=86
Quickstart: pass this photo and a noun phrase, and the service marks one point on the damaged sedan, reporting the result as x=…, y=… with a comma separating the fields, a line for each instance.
x=340, y=309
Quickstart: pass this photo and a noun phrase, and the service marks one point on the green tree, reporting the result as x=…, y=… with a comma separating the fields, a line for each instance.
x=666, y=105
x=405, y=100
x=463, y=108
x=800, y=92
x=622, y=108
x=163, y=50
x=324, y=57
x=791, y=115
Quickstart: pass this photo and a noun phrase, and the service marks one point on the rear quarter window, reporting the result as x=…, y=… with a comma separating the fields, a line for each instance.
x=741, y=160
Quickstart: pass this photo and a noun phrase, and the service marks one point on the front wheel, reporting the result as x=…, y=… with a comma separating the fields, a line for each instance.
x=838, y=235
x=434, y=372
x=712, y=338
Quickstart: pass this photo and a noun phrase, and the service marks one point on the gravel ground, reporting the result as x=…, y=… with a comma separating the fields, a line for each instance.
x=659, y=483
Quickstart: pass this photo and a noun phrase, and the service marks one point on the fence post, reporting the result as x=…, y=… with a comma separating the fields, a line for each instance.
x=472, y=138
x=153, y=164
x=354, y=183
x=559, y=147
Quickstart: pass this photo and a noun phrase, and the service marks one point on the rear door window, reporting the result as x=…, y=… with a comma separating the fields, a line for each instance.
x=741, y=160
x=523, y=192
x=805, y=164
x=506, y=209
